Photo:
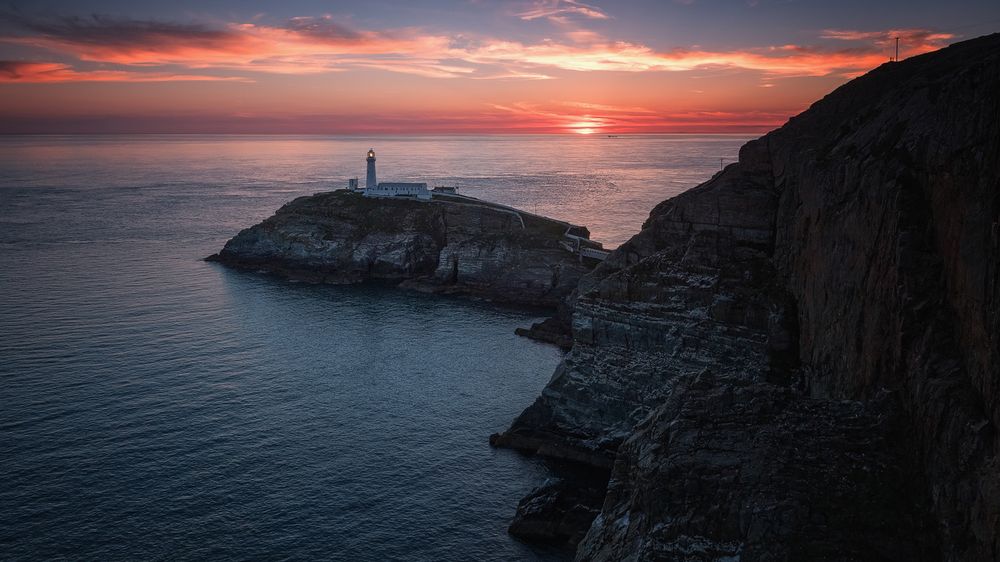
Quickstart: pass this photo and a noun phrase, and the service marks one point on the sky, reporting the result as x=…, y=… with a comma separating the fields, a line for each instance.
x=449, y=66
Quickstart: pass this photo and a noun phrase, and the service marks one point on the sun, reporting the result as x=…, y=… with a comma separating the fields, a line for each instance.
x=587, y=127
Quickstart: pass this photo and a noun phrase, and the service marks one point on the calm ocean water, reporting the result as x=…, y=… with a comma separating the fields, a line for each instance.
x=153, y=406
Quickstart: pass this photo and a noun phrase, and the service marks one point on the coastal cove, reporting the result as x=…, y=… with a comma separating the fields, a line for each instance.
x=159, y=405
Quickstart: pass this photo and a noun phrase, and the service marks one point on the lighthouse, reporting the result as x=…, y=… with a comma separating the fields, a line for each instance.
x=370, y=181
x=392, y=189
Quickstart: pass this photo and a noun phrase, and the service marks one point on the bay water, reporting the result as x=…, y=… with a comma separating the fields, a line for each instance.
x=155, y=406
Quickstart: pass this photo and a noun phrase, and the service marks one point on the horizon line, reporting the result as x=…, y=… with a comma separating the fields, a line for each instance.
x=387, y=134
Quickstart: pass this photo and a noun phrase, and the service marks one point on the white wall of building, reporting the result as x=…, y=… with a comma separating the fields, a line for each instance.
x=394, y=189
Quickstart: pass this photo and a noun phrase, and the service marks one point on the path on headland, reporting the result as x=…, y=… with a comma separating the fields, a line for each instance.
x=583, y=247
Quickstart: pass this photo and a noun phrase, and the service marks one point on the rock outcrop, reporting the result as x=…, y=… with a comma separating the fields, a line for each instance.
x=800, y=358
x=559, y=512
x=451, y=244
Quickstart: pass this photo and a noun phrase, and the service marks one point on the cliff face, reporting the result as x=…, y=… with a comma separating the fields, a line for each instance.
x=799, y=358
x=681, y=297
x=455, y=245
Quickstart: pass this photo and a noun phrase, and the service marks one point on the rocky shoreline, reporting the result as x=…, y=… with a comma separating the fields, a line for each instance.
x=447, y=246
x=800, y=358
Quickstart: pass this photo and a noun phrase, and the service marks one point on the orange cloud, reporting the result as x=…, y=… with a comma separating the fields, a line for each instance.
x=428, y=68
x=628, y=57
x=312, y=45
x=514, y=75
x=38, y=72
x=586, y=118
x=303, y=46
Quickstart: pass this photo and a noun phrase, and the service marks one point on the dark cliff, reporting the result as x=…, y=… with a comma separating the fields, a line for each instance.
x=451, y=244
x=800, y=358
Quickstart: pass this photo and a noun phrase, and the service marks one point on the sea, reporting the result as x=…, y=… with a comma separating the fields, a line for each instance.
x=154, y=406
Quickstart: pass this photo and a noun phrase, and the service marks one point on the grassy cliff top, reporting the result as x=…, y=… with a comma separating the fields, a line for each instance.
x=390, y=213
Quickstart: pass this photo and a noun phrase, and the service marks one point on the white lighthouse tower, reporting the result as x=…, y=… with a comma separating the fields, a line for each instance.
x=370, y=181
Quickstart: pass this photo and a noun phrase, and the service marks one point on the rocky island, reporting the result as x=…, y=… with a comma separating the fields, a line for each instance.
x=449, y=244
x=800, y=358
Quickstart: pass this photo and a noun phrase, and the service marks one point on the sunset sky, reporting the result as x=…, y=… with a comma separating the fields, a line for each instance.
x=448, y=66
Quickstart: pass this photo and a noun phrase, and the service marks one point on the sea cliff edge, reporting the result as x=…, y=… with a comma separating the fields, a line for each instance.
x=798, y=359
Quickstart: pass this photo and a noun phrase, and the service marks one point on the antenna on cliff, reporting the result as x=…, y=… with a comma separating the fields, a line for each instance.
x=721, y=167
x=897, y=48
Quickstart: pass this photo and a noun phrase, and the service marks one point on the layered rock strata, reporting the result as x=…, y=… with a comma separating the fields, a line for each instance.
x=445, y=245
x=800, y=358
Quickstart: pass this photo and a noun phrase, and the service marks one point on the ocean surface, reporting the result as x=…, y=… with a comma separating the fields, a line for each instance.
x=154, y=406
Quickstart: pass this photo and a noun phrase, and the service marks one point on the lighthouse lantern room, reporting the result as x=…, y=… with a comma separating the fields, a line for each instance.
x=370, y=181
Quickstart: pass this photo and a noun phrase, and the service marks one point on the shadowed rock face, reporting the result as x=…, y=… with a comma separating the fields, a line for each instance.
x=437, y=246
x=749, y=471
x=683, y=295
x=798, y=360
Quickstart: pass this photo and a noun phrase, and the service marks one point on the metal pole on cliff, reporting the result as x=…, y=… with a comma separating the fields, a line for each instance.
x=897, y=49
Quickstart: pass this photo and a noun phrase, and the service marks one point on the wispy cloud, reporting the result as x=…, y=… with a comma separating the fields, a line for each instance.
x=885, y=37
x=589, y=118
x=786, y=60
x=427, y=68
x=560, y=9
x=304, y=45
x=612, y=109
x=36, y=72
x=584, y=36
x=912, y=41
x=514, y=76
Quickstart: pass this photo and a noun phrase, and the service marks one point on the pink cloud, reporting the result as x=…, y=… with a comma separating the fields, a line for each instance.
x=911, y=41
x=559, y=9
x=920, y=40
x=303, y=46
x=513, y=75
x=36, y=72
x=516, y=118
x=630, y=57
